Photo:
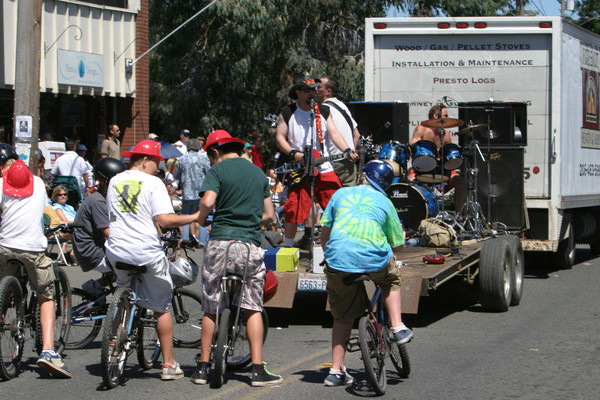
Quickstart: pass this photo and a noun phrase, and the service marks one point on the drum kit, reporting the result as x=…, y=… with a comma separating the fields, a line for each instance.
x=415, y=200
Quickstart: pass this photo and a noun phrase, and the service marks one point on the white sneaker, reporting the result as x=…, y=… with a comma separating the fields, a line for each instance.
x=171, y=372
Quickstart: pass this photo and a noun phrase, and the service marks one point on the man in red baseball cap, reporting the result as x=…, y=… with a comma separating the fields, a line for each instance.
x=22, y=238
x=239, y=192
x=137, y=199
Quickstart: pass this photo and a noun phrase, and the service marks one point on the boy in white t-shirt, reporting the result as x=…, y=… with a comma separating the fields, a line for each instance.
x=22, y=201
x=137, y=199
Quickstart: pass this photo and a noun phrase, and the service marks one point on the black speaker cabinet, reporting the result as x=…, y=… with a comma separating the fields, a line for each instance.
x=384, y=121
x=504, y=192
x=508, y=122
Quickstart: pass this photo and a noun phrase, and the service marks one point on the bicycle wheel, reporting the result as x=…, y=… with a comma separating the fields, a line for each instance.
x=220, y=351
x=398, y=354
x=62, y=314
x=11, y=324
x=148, y=345
x=239, y=351
x=86, y=320
x=373, y=355
x=187, y=317
x=115, y=339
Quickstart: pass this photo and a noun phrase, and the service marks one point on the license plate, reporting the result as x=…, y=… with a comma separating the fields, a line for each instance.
x=312, y=283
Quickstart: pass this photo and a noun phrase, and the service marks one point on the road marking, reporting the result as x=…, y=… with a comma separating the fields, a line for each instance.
x=258, y=391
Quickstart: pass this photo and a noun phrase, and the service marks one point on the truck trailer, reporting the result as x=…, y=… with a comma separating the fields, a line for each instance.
x=534, y=82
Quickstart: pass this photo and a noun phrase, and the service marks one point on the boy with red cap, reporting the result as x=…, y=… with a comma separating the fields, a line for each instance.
x=22, y=238
x=239, y=192
x=137, y=200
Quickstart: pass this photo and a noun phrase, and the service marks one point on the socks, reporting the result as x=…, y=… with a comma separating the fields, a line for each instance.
x=398, y=329
x=288, y=242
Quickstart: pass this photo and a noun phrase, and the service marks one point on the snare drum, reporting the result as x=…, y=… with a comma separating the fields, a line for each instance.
x=413, y=203
x=396, y=155
x=435, y=176
x=451, y=156
x=424, y=154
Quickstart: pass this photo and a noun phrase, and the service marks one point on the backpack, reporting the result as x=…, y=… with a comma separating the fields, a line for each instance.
x=436, y=233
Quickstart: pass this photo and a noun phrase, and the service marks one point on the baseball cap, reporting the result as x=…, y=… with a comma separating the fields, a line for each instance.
x=150, y=148
x=153, y=136
x=81, y=147
x=219, y=138
x=18, y=180
x=185, y=132
x=301, y=81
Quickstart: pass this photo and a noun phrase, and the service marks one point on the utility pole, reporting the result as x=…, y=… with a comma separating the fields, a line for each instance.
x=520, y=7
x=27, y=78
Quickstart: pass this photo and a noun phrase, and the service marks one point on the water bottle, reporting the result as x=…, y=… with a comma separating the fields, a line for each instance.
x=413, y=242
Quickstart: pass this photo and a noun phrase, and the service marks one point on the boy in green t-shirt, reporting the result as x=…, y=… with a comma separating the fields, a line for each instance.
x=239, y=192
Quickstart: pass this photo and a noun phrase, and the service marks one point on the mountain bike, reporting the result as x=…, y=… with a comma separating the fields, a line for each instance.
x=20, y=316
x=374, y=340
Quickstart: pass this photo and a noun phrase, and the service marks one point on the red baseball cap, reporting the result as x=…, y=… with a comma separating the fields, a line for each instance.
x=18, y=180
x=219, y=138
x=150, y=148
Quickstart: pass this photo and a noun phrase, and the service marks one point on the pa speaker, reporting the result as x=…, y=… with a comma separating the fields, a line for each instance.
x=503, y=192
x=508, y=122
x=384, y=121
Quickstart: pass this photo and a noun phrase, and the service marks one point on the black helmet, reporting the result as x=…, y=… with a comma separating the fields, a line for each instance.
x=7, y=152
x=107, y=167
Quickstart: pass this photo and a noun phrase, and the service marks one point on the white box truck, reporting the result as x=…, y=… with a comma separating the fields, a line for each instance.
x=549, y=65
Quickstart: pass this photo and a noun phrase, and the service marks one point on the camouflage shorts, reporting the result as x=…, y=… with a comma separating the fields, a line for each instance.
x=214, y=267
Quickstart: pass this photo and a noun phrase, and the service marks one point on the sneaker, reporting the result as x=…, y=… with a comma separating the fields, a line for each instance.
x=338, y=378
x=53, y=364
x=171, y=372
x=402, y=336
x=93, y=287
x=200, y=375
x=303, y=243
x=262, y=377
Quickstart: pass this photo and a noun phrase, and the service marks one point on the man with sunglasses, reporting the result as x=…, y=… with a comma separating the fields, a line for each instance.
x=295, y=131
x=440, y=137
x=111, y=146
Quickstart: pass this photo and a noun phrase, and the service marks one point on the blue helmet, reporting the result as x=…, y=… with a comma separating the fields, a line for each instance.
x=380, y=174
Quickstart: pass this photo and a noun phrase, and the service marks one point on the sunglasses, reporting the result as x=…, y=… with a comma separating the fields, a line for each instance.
x=308, y=90
x=61, y=194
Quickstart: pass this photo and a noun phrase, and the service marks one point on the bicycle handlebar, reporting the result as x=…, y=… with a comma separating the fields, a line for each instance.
x=64, y=228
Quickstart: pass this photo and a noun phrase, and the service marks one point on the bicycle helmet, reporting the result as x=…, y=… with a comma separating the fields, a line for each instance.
x=7, y=152
x=107, y=167
x=380, y=174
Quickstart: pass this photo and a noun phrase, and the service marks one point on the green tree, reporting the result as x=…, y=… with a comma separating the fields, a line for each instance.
x=589, y=14
x=233, y=65
x=455, y=8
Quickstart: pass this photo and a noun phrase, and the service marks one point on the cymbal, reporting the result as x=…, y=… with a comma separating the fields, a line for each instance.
x=445, y=122
x=471, y=128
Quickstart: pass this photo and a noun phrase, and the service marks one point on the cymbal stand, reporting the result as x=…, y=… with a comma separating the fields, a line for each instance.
x=474, y=223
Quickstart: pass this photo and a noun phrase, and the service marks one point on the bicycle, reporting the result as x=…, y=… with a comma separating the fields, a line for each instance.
x=374, y=341
x=129, y=327
x=20, y=314
x=89, y=310
x=231, y=348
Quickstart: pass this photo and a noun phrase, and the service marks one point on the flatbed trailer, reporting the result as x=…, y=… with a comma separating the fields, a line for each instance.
x=500, y=268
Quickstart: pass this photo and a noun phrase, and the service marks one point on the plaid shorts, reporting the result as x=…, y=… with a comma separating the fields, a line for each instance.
x=214, y=268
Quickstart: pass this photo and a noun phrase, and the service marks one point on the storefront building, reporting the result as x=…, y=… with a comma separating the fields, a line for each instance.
x=85, y=83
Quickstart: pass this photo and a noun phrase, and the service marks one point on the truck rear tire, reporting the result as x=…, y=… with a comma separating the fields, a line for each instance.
x=496, y=275
x=518, y=262
x=565, y=255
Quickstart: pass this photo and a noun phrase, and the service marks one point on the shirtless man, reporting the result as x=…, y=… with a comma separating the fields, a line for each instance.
x=434, y=135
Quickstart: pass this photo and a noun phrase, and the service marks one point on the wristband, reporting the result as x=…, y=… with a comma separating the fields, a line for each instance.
x=348, y=150
x=292, y=154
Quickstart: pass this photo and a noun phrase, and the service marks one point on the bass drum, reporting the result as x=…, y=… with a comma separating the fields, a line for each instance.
x=413, y=203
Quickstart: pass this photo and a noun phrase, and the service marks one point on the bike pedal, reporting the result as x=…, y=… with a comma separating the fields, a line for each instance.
x=352, y=345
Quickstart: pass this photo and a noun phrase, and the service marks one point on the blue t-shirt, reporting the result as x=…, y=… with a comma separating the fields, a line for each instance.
x=365, y=227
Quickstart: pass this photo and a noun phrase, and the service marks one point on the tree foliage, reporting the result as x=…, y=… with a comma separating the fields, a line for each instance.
x=233, y=64
x=589, y=14
x=455, y=8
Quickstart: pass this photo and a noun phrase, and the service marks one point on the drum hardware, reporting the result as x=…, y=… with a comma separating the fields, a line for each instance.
x=442, y=123
x=471, y=128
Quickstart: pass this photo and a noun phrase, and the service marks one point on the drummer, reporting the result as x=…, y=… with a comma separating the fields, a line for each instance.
x=435, y=135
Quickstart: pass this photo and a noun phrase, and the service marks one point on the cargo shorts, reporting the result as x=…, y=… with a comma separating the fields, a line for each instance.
x=348, y=302
x=37, y=264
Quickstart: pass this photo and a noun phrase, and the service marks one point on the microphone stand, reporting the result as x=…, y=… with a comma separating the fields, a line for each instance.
x=309, y=160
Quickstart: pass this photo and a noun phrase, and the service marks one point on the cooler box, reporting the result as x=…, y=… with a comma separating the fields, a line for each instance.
x=288, y=258
x=271, y=258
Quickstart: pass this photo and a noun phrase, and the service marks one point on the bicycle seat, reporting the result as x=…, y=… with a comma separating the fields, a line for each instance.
x=355, y=278
x=130, y=267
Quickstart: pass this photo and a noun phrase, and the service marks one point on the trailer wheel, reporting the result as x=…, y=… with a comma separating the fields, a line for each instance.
x=518, y=262
x=565, y=255
x=495, y=275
